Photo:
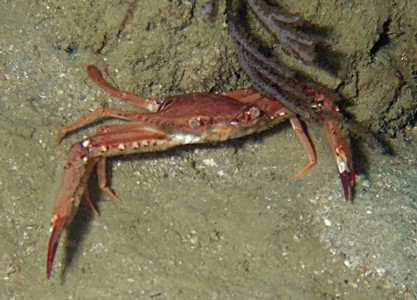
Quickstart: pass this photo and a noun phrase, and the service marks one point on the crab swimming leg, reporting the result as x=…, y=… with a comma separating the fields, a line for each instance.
x=149, y=104
x=96, y=76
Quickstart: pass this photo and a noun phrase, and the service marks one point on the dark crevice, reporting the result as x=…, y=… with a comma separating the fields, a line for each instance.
x=382, y=41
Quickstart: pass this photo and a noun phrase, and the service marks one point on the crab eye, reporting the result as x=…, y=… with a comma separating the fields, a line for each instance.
x=165, y=104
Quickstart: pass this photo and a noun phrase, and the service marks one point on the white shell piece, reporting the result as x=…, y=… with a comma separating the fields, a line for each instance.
x=187, y=138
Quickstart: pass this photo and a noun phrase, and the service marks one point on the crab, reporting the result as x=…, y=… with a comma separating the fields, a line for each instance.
x=194, y=118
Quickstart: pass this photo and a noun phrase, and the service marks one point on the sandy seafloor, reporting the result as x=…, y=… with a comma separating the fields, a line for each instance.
x=207, y=222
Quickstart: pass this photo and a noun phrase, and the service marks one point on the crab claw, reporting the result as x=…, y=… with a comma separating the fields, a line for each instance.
x=341, y=152
x=73, y=185
x=58, y=225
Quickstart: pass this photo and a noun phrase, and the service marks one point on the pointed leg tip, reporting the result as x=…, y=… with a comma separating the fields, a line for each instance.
x=94, y=73
x=48, y=271
x=59, y=138
x=92, y=68
x=58, y=226
x=345, y=184
x=50, y=259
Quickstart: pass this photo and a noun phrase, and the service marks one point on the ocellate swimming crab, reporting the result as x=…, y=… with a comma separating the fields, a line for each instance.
x=178, y=120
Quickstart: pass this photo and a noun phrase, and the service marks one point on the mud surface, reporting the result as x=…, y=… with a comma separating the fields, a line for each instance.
x=216, y=221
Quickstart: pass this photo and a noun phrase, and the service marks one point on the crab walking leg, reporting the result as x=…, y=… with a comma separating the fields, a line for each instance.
x=306, y=143
x=96, y=76
x=249, y=95
x=97, y=115
x=102, y=183
x=102, y=180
